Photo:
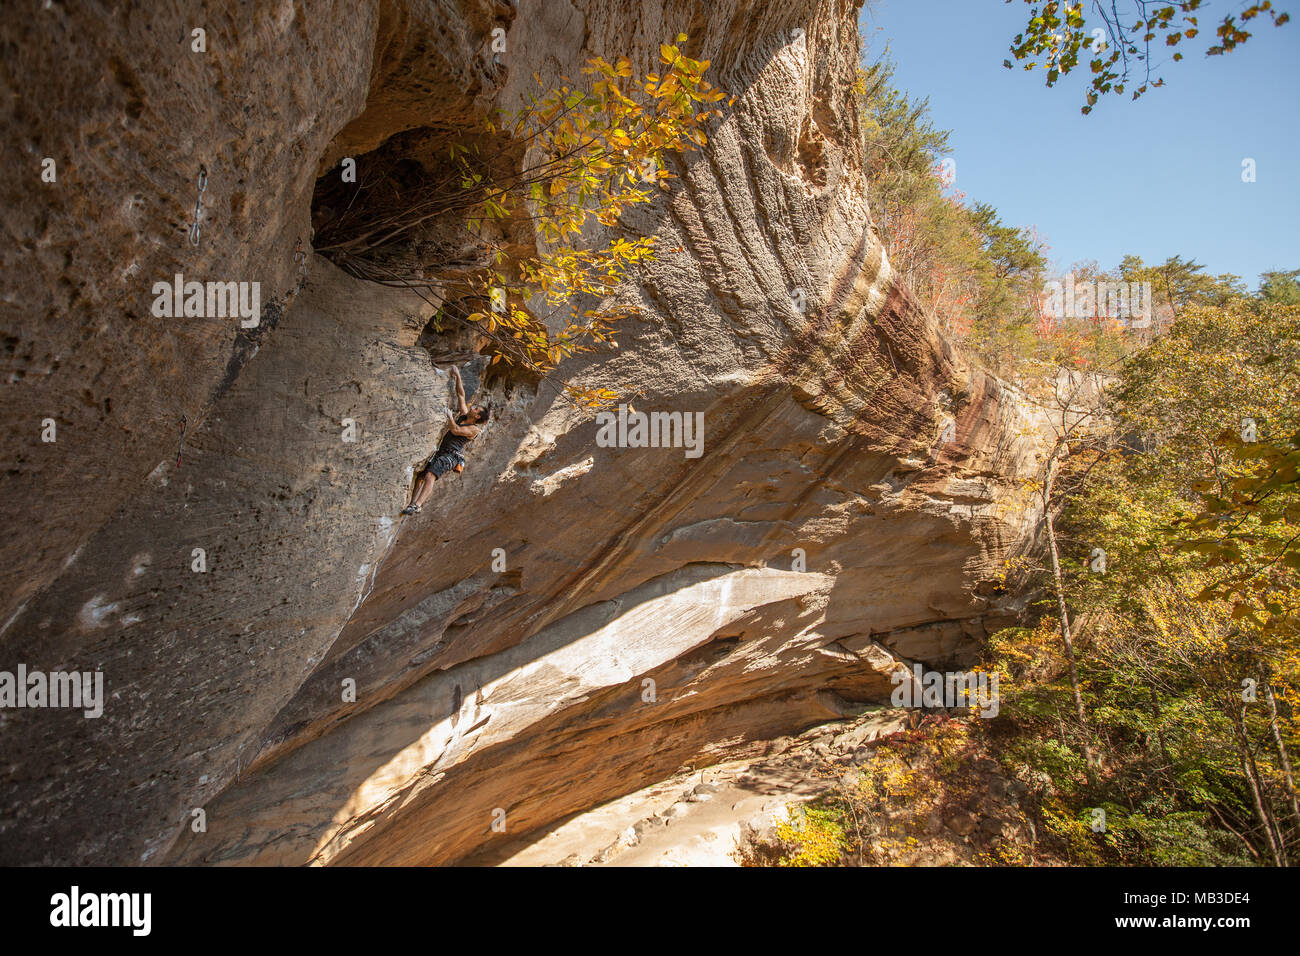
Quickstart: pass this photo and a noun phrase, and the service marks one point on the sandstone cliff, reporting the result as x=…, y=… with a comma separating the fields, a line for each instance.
x=483, y=696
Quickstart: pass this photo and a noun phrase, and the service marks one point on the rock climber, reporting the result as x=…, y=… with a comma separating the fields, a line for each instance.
x=450, y=455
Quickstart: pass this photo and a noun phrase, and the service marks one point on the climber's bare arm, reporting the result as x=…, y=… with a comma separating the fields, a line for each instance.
x=465, y=431
x=462, y=405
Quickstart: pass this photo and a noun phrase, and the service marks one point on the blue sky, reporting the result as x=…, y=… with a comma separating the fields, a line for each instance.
x=1159, y=176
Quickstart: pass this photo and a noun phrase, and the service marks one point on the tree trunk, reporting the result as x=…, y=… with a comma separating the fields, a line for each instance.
x=1059, y=585
x=1063, y=612
x=1287, y=779
x=1249, y=771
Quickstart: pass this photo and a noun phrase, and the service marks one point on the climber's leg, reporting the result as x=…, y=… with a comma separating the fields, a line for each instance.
x=423, y=489
x=418, y=499
x=438, y=466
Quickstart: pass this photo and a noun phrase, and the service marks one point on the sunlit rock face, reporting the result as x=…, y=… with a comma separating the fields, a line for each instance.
x=566, y=621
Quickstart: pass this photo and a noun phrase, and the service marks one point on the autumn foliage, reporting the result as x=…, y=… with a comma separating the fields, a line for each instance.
x=593, y=152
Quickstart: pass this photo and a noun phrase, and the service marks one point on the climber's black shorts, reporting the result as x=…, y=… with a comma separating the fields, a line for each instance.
x=443, y=462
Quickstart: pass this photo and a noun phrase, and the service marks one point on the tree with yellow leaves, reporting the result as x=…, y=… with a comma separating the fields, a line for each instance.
x=1189, y=660
x=540, y=194
x=593, y=154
